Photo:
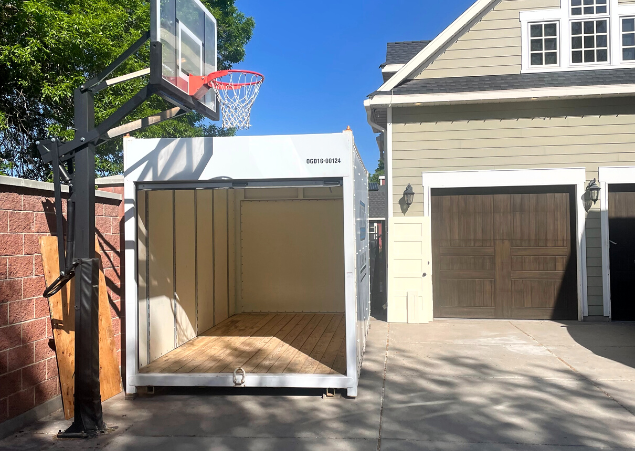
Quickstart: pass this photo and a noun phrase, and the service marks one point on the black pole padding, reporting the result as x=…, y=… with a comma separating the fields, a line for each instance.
x=88, y=419
x=87, y=348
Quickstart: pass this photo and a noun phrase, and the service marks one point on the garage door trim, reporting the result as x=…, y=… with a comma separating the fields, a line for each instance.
x=609, y=175
x=523, y=177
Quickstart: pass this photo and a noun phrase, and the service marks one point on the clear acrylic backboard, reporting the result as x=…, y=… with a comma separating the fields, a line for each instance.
x=187, y=33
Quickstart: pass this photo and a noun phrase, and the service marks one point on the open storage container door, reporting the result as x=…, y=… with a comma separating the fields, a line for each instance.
x=246, y=272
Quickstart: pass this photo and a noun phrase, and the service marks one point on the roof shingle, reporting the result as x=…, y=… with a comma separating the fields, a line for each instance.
x=516, y=81
x=402, y=52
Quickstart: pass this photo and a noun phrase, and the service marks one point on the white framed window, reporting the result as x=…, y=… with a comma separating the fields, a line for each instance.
x=628, y=38
x=543, y=44
x=589, y=41
x=590, y=35
x=588, y=7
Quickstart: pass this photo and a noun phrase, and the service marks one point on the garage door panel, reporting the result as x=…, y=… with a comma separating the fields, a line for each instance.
x=480, y=292
x=466, y=312
x=477, y=250
x=535, y=293
x=456, y=262
x=466, y=274
x=622, y=250
x=517, y=243
x=538, y=263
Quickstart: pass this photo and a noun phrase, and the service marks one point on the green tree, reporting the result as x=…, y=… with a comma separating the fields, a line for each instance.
x=49, y=47
x=379, y=171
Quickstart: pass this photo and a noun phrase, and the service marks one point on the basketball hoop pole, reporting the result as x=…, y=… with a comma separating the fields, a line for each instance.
x=76, y=161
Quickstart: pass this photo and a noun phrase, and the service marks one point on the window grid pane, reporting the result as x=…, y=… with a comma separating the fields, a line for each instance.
x=589, y=41
x=628, y=39
x=586, y=7
x=543, y=44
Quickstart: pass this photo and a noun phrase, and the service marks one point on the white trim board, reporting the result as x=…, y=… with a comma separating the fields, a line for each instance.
x=392, y=67
x=523, y=177
x=607, y=176
x=509, y=95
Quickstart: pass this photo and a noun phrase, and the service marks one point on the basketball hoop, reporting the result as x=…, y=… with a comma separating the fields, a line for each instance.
x=236, y=91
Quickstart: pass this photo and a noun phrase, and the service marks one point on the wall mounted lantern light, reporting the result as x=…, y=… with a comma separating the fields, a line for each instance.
x=594, y=190
x=409, y=195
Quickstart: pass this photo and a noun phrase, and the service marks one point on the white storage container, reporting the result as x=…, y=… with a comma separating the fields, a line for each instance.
x=246, y=261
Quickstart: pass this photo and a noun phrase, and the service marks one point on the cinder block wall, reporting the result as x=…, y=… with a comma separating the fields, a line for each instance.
x=28, y=367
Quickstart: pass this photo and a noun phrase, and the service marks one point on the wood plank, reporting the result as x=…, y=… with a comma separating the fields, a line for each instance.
x=227, y=347
x=276, y=340
x=318, y=351
x=268, y=362
x=295, y=345
x=339, y=365
x=176, y=359
x=297, y=362
x=274, y=343
x=62, y=312
x=256, y=343
x=327, y=360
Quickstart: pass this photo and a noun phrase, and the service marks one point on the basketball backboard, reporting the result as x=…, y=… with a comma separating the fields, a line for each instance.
x=183, y=37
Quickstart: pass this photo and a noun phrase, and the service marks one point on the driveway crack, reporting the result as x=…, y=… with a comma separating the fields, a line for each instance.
x=572, y=368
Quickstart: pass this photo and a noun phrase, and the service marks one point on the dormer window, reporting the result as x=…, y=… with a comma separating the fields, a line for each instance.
x=588, y=7
x=580, y=35
x=628, y=39
x=544, y=44
x=589, y=41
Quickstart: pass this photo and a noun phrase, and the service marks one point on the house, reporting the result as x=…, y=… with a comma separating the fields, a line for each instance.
x=505, y=125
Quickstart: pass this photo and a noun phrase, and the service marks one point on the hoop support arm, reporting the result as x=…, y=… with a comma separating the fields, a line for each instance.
x=94, y=134
x=90, y=84
x=142, y=123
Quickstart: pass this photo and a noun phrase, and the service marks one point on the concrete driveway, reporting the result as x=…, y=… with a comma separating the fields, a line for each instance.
x=448, y=385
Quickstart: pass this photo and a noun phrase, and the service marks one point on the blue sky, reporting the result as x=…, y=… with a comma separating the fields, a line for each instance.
x=321, y=59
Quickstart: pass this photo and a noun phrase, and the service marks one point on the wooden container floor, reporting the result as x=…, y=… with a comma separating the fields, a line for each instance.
x=300, y=343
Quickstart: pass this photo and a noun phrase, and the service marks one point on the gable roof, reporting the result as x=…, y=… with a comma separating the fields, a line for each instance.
x=402, y=52
x=455, y=28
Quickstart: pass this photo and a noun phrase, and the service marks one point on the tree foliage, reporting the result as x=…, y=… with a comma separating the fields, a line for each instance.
x=49, y=47
x=379, y=171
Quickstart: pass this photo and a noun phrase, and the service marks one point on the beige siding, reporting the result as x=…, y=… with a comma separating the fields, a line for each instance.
x=491, y=46
x=588, y=134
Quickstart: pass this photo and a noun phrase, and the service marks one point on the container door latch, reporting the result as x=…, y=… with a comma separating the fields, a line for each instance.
x=239, y=377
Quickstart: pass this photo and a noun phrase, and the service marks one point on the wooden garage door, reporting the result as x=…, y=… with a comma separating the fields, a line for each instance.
x=622, y=251
x=507, y=253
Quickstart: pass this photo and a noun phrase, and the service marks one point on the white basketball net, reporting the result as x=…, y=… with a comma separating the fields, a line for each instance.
x=236, y=93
